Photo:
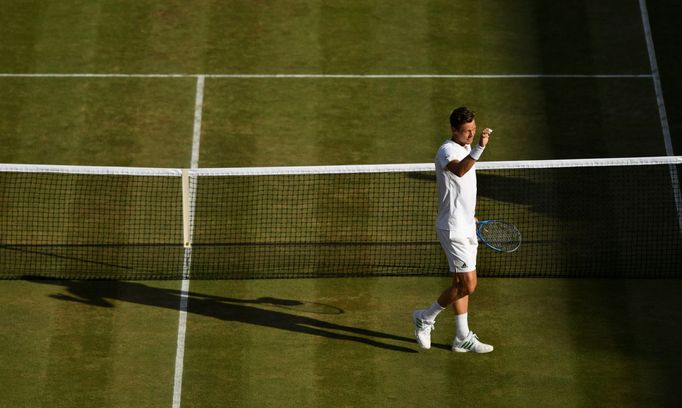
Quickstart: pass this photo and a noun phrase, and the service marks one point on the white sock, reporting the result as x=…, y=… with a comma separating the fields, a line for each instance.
x=431, y=313
x=462, y=326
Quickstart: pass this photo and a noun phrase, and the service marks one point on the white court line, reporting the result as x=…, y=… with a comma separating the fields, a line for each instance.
x=180, y=350
x=327, y=76
x=665, y=128
x=187, y=263
x=198, y=109
x=656, y=78
x=425, y=76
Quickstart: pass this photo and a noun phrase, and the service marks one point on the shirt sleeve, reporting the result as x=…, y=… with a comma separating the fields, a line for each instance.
x=448, y=153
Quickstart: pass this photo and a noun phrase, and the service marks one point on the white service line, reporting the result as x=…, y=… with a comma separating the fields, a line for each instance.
x=93, y=75
x=327, y=76
x=423, y=76
x=187, y=263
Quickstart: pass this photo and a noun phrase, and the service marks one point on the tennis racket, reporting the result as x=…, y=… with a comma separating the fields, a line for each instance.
x=499, y=236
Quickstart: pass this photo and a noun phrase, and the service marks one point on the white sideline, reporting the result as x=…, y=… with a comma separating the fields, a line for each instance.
x=656, y=78
x=663, y=115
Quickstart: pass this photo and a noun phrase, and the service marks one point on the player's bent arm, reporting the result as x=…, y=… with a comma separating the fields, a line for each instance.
x=461, y=167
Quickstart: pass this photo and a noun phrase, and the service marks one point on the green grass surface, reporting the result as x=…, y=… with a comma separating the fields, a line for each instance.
x=366, y=357
x=563, y=343
x=98, y=344
x=107, y=122
x=265, y=122
x=148, y=122
x=340, y=342
x=436, y=36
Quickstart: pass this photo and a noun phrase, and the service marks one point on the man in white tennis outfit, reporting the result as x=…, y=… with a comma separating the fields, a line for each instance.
x=456, y=230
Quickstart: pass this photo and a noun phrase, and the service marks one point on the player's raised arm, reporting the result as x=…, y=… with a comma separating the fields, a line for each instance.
x=461, y=167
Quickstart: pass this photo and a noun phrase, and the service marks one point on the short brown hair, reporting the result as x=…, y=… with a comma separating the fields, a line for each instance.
x=460, y=116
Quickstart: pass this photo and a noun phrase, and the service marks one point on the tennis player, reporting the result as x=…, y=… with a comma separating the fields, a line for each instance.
x=456, y=230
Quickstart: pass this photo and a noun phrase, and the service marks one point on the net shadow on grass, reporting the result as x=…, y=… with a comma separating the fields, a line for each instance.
x=247, y=311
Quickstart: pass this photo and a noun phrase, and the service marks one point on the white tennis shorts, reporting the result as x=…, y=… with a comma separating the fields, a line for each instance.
x=460, y=250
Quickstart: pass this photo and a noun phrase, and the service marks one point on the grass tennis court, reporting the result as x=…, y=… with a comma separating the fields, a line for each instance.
x=338, y=342
x=571, y=80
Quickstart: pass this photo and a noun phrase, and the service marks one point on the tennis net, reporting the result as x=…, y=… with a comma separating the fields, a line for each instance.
x=579, y=218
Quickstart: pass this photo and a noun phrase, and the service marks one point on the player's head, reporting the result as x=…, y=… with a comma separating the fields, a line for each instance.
x=463, y=125
x=460, y=116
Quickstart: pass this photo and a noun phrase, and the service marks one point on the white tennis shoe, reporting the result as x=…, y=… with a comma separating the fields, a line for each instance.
x=422, y=329
x=471, y=344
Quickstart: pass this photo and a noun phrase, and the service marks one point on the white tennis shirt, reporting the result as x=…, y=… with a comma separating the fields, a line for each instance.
x=456, y=195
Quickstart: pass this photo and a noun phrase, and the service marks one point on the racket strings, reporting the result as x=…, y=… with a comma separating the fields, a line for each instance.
x=502, y=236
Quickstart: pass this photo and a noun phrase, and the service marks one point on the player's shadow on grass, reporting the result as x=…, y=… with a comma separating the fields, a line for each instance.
x=249, y=311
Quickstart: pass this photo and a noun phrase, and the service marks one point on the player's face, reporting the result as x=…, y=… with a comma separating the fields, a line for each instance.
x=465, y=134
